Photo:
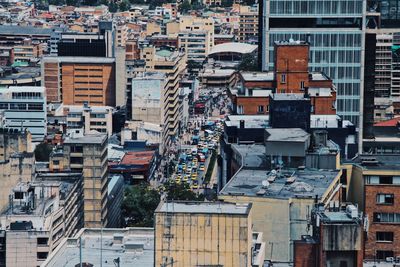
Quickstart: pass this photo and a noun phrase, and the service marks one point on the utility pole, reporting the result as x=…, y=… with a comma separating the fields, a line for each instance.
x=101, y=244
x=80, y=251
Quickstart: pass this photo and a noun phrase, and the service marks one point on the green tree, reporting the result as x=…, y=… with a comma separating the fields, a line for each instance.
x=185, y=6
x=112, y=7
x=140, y=202
x=71, y=2
x=249, y=63
x=180, y=191
x=124, y=5
x=42, y=152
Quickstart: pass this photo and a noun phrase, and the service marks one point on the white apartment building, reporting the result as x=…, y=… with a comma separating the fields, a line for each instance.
x=85, y=119
x=24, y=107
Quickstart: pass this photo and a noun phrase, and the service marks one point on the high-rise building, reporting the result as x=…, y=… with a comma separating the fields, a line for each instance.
x=88, y=154
x=25, y=107
x=335, y=31
x=248, y=25
x=79, y=80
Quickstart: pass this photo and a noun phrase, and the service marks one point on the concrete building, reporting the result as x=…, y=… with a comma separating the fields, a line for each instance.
x=14, y=141
x=218, y=78
x=337, y=239
x=28, y=51
x=336, y=34
x=85, y=119
x=39, y=215
x=196, y=37
x=126, y=246
x=115, y=196
x=25, y=108
x=230, y=54
x=248, y=26
x=78, y=80
x=173, y=65
x=204, y=234
x=373, y=185
x=88, y=154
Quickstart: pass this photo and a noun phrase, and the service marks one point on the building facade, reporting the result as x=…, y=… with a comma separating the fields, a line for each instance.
x=79, y=80
x=88, y=154
x=335, y=31
x=25, y=108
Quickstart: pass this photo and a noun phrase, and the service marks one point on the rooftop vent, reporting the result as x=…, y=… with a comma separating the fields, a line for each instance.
x=369, y=161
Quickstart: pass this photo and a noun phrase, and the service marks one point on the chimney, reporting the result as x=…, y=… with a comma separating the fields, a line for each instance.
x=241, y=124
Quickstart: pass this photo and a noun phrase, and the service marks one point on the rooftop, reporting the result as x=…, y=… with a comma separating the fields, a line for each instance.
x=135, y=248
x=251, y=121
x=24, y=30
x=253, y=155
x=137, y=158
x=241, y=48
x=257, y=76
x=287, y=135
x=283, y=184
x=287, y=97
x=378, y=162
x=204, y=207
x=86, y=139
x=96, y=60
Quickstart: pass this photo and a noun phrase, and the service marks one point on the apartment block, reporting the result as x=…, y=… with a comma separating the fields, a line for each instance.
x=85, y=119
x=14, y=141
x=88, y=154
x=39, y=215
x=24, y=107
x=28, y=51
x=374, y=187
x=79, y=80
x=248, y=26
x=204, y=234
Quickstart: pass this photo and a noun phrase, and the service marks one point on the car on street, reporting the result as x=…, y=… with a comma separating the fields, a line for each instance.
x=202, y=167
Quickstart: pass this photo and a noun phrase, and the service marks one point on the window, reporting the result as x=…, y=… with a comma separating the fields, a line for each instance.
x=384, y=236
x=42, y=241
x=56, y=162
x=385, y=199
x=283, y=78
x=383, y=254
x=18, y=195
x=381, y=217
x=240, y=109
x=382, y=179
x=260, y=109
x=267, y=108
x=302, y=85
x=42, y=255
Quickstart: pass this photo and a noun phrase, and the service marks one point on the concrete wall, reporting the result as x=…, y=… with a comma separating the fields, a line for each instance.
x=203, y=239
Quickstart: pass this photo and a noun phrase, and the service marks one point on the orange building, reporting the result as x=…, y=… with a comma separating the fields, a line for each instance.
x=76, y=80
x=290, y=76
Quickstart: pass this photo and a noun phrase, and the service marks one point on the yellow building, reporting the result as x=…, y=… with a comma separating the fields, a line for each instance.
x=281, y=203
x=204, y=234
x=152, y=27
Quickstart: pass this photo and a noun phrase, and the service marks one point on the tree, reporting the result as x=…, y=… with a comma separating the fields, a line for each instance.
x=140, y=202
x=71, y=2
x=42, y=152
x=180, y=191
x=112, y=7
x=185, y=6
x=249, y=63
x=124, y=5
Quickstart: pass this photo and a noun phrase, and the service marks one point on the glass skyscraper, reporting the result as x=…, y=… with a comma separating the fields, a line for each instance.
x=335, y=30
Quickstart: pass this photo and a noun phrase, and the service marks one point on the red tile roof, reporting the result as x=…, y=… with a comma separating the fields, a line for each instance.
x=389, y=123
x=139, y=158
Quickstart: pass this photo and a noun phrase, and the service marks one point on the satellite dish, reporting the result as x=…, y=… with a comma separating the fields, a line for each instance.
x=265, y=183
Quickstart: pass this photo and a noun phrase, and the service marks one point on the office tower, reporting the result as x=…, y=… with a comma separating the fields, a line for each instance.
x=24, y=108
x=79, y=80
x=335, y=31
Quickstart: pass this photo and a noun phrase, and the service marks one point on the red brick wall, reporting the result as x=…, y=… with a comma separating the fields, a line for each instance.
x=250, y=104
x=371, y=245
x=304, y=254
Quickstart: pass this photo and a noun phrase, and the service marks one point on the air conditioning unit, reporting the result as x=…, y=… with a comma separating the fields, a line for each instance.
x=389, y=259
x=352, y=211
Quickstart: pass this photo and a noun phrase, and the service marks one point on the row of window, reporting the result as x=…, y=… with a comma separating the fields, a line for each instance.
x=373, y=179
x=386, y=217
x=316, y=7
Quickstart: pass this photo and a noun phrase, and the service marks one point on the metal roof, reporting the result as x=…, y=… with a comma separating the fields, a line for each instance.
x=241, y=48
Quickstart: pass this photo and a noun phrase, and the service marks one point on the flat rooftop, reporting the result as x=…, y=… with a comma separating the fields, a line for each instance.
x=378, y=162
x=73, y=59
x=250, y=121
x=304, y=183
x=86, y=139
x=142, y=239
x=287, y=135
x=203, y=208
x=287, y=97
x=257, y=76
x=24, y=30
x=337, y=217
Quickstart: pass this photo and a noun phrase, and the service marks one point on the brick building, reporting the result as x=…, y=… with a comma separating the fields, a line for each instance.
x=291, y=76
x=374, y=186
x=76, y=80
